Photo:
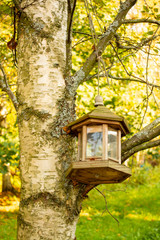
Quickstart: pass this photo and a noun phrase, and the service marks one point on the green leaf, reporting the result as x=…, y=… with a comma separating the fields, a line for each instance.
x=155, y=50
x=156, y=9
x=150, y=32
x=145, y=8
x=158, y=17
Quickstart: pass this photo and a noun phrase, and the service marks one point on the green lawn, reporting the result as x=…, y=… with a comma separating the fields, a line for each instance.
x=137, y=208
x=8, y=226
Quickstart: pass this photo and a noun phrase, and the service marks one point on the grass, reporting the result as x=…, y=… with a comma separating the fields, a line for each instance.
x=9, y=204
x=135, y=204
x=136, y=207
x=8, y=225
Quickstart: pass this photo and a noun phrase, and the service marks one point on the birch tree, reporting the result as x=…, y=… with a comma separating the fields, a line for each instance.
x=45, y=103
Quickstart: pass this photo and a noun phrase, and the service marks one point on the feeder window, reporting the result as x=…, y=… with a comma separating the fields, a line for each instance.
x=94, y=142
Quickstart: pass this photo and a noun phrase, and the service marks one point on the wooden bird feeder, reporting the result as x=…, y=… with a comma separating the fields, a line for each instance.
x=99, y=147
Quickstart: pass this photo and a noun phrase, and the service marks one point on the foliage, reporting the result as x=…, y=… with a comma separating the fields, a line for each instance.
x=122, y=58
x=9, y=152
x=9, y=146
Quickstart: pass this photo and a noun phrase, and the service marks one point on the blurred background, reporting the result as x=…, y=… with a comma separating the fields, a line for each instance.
x=130, y=88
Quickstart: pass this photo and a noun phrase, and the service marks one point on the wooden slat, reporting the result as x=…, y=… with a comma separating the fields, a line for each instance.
x=105, y=142
x=99, y=164
x=79, y=146
x=94, y=128
x=84, y=142
x=119, y=146
x=98, y=172
x=116, y=124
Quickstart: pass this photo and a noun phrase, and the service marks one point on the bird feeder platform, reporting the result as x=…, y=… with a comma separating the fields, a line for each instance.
x=98, y=172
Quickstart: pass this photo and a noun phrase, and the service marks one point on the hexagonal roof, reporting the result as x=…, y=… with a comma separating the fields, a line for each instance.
x=102, y=113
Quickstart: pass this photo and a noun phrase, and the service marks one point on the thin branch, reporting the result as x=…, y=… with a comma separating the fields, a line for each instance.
x=143, y=20
x=71, y=12
x=140, y=148
x=129, y=74
x=147, y=100
x=5, y=87
x=103, y=42
x=120, y=59
x=124, y=65
x=154, y=97
x=132, y=80
x=105, y=72
x=142, y=43
x=96, y=15
x=82, y=40
x=87, y=34
x=107, y=206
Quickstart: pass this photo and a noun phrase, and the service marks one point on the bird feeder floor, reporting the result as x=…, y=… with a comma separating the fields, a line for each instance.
x=98, y=172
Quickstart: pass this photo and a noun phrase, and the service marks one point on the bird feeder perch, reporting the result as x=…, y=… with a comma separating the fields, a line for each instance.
x=99, y=135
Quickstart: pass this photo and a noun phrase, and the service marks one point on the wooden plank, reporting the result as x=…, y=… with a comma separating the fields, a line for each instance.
x=84, y=142
x=97, y=175
x=79, y=146
x=94, y=128
x=105, y=142
x=101, y=164
x=115, y=124
x=119, y=146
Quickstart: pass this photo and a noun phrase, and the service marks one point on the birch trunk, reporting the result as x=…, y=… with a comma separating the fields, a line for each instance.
x=49, y=205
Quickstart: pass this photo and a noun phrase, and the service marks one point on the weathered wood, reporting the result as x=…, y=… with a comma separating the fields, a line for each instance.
x=100, y=113
x=113, y=124
x=98, y=172
x=94, y=128
x=105, y=142
x=119, y=146
x=84, y=142
x=79, y=145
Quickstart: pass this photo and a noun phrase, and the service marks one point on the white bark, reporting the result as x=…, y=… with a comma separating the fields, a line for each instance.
x=48, y=202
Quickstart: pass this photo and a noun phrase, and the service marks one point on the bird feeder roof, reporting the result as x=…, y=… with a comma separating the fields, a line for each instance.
x=101, y=113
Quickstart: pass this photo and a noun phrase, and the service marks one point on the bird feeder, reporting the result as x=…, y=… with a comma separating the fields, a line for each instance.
x=99, y=147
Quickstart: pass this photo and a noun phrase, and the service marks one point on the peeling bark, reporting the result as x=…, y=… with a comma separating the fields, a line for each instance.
x=49, y=205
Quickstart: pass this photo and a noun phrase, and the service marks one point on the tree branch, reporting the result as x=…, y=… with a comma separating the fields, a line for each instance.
x=143, y=20
x=104, y=41
x=132, y=80
x=140, y=44
x=123, y=79
x=140, y=148
x=70, y=12
x=5, y=87
x=86, y=34
x=107, y=206
x=146, y=134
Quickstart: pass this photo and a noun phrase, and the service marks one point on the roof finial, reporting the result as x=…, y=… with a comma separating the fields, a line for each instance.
x=98, y=101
